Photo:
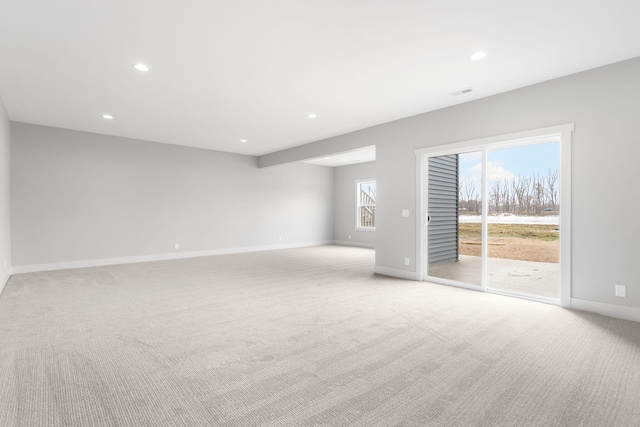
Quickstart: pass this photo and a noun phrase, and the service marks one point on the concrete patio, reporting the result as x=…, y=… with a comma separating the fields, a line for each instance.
x=524, y=277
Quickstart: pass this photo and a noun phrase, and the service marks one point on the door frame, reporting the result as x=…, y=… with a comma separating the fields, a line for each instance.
x=563, y=133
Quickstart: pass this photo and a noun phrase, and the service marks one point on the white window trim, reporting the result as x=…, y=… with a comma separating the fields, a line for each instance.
x=358, y=182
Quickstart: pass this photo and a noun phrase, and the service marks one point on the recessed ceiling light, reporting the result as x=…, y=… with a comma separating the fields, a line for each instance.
x=327, y=158
x=478, y=56
x=141, y=67
x=312, y=116
x=107, y=116
x=243, y=140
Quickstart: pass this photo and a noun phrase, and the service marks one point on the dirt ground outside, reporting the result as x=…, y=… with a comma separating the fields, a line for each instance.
x=527, y=242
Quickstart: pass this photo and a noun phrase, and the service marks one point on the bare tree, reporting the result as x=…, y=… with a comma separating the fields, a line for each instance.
x=475, y=197
x=537, y=190
x=527, y=196
x=507, y=199
x=468, y=189
x=519, y=194
x=520, y=191
x=495, y=195
x=551, y=188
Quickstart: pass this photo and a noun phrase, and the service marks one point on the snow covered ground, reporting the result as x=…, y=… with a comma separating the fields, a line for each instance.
x=512, y=219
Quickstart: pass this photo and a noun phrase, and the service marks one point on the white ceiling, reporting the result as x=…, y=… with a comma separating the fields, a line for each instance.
x=222, y=71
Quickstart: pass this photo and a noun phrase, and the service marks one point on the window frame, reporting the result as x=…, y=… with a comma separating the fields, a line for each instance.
x=359, y=205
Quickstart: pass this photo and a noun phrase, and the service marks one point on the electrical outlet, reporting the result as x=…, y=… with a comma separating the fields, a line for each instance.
x=621, y=291
x=280, y=239
x=177, y=246
x=349, y=236
x=405, y=213
x=406, y=261
x=5, y=263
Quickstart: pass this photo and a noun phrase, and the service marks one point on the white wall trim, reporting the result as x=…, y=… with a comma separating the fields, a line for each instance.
x=158, y=257
x=5, y=279
x=611, y=310
x=421, y=218
x=355, y=244
x=518, y=138
x=394, y=272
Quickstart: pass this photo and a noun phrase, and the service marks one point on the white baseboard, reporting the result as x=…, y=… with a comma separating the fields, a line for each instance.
x=356, y=244
x=394, y=272
x=158, y=257
x=4, y=278
x=611, y=310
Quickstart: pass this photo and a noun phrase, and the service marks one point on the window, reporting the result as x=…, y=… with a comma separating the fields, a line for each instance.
x=366, y=204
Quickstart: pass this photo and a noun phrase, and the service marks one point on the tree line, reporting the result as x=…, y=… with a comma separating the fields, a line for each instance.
x=524, y=195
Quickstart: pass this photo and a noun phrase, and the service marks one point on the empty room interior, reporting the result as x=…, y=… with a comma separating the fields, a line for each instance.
x=319, y=213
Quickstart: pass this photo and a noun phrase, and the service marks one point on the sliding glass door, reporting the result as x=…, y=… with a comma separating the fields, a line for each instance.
x=492, y=217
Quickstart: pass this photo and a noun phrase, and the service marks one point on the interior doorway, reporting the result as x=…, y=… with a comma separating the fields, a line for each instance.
x=496, y=215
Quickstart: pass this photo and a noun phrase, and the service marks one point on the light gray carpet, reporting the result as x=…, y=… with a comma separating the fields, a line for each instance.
x=304, y=337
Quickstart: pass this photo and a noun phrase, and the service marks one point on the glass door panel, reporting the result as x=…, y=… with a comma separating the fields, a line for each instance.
x=523, y=220
x=454, y=230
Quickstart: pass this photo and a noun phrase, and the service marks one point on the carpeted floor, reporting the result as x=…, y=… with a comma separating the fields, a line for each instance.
x=304, y=337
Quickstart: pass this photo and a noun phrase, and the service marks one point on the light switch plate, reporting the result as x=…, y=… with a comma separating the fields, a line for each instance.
x=405, y=213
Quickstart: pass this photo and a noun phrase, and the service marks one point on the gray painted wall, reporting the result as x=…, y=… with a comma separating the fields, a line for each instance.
x=604, y=104
x=347, y=142
x=344, y=219
x=5, y=223
x=81, y=196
